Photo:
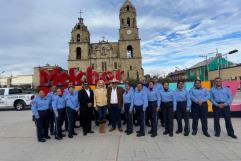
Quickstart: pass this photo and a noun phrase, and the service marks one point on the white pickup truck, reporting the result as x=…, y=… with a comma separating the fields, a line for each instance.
x=14, y=98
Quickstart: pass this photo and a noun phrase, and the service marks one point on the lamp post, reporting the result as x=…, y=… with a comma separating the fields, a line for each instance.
x=226, y=54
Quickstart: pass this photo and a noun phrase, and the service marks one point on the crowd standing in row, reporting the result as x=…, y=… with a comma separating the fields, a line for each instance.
x=141, y=106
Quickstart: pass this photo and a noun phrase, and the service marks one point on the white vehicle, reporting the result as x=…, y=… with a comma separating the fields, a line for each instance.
x=14, y=97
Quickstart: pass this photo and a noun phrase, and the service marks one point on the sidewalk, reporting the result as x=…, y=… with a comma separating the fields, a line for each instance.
x=18, y=143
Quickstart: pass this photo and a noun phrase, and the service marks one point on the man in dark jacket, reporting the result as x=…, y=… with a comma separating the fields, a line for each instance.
x=115, y=103
x=86, y=101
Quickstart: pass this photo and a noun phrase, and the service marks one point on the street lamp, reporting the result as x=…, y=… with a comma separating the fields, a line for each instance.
x=226, y=54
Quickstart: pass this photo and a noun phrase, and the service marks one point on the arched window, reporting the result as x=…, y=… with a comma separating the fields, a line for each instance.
x=127, y=8
x=78, y=53
x=129, y=51
x=122, y=21
x=78, y=38
x=129, y=21
x=103, y=51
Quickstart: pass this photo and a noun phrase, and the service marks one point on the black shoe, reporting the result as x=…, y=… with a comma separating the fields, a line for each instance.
x=233, y=136
x=41, y=140
x=129, y=133
x=217, y=135
x=165, y=133
x=153, y=135
x=194, y=133
x=85, y=133
x=47, y=137
x=206, y=134
x=138, y=131
x=186, y=134
x=58, y=138
x=171, y=134
x=91, y=132
x=126, y=131
x=70, y=136
x=75, y=133
x=63, y=135
x=140, y=135
x=178, y=132
x=150, y=132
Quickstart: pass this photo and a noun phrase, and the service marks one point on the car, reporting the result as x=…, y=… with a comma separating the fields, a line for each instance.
x=14, y=98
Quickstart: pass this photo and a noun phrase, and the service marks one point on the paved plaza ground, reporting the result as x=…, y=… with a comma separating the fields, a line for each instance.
x=18, y=143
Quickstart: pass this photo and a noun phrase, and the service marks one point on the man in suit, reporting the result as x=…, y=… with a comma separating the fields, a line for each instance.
x=86, y=101
x=115, y=103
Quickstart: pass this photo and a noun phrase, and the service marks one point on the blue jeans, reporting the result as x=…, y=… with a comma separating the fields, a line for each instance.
x=101, y=112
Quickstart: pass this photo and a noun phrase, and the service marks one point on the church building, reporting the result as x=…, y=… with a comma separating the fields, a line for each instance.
x=104, y=56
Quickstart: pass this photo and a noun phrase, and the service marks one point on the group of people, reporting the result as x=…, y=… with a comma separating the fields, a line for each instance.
x=141, y=106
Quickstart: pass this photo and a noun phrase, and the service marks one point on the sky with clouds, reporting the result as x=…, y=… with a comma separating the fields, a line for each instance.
x=173, y=32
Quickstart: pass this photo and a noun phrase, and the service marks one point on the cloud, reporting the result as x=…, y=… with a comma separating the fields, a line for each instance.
x=173, y=33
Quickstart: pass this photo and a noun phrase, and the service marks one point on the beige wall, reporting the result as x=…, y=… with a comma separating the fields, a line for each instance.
x=226, y=74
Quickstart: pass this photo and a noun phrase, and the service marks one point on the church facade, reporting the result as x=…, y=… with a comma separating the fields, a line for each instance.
x=104, y=56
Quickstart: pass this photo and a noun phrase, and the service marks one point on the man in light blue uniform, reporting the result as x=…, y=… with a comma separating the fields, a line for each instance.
x=58, y=105
x=72, y=107
x=140, y=102
x=221, y=98
x=40, y=110
x=168, y=105
x=158, y=86
x=183, y=108
x=154, y=102
x=199, y=97
x=128, y=108
x=52, y=122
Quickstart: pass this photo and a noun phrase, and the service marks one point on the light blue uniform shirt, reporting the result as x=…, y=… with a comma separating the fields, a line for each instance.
x=158, y=87
x=169, y=96
x=140, y=99
x=58, y=103
x=39, y=104
x=51, y=98
x=199, y=94
x=183, y=96
x=66, y=92
x=154, y=95
x=128, y=98
x=222, y=94
x=72, y=101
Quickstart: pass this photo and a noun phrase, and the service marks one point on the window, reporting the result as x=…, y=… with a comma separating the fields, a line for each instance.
x=103, y=50
x=129, y=51
x=78, y=53
x=128, y=8
x=131, y=67
x=128, y=21
x=2, y=92
x=78, y=38
x=115, y=65
x=104, y=66
x=15, y=91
